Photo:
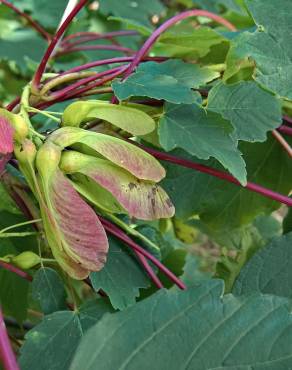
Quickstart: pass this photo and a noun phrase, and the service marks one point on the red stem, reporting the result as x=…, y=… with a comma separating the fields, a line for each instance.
x=287, y=119
x=64, y=92
x=15, y=270
x=34, y=24
x=13, y=104
x=170, y=22
x=285, y=145
x=42, y=66
x=285, y=130
x=98, y=63
x=6, y=353
x=149, y=270
x=114, y=230
x=95, y=47
x=220, y=174
x=79, y=92
x=98, y=36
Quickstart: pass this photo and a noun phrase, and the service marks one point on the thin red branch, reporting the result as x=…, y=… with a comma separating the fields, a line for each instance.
x=121, y=49
x=114, y=230
x=219, y=174
x=6, y=353
x=98, y=36
x=64, y=92
x=169, y=23
x=42, y=66
x=34, y=24
x=287, y=119
x=285, y=130
x=15, y=270
x=285, y=145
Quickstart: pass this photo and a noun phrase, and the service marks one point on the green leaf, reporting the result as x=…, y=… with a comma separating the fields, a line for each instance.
x=14, y=295
x=48, y=289
x=158, y=87
x=216, y=5
x=287, y=222
x=171, y=80
x=14, y=289
x=202, y=133
x=188, y=42
x=223, y=206
x=246, y=240
x=129, y=119
x=269, y=270
x=92, y=311
x=269, y=46
x=138, y=10
x=202, y=329
x=52, y=343
x=189, y=75
x=48, y=13
x=20, y=45
x=192, y=274
x=121, y=278
x=251, y=110
x=7, y=203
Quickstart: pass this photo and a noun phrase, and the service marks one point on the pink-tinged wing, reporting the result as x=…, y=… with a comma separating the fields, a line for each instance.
x=122, y=153
x=6, y=136
x=142, y=199
x=83, y=237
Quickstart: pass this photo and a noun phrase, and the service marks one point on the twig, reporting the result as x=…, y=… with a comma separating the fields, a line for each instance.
x=282, y=142
x=170, y=22
x=114, y=230
x=285, y=130
x=219, y=174
x=94, y=47
x=42, y=66
x=6, y=353
x=7, y=266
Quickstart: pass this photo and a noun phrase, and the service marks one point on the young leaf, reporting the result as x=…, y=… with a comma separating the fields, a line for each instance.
x=204, y=330
x=158, y=87
x=171, y=80
x=187, y=42
x=251, y=110
x=269, y=270
x=127, y=118
x=124, y=154
x=121, y=278
x=201, y=133
x=48, y=289
x=143, y=200
x=269, y=46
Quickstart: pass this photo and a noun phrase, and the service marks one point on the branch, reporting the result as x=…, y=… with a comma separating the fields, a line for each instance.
x=42, y=66
x=114, y=230
x=34, y=24
x=219, y=174
x=170, y=22
x=6, y=353
x=7, y=266
x=282, y=142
